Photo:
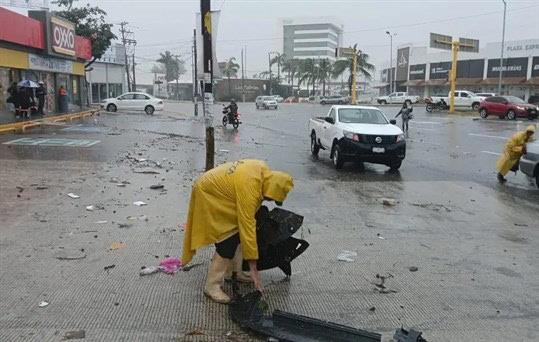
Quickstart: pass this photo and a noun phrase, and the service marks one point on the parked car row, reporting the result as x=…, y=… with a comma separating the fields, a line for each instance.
x=510, y=107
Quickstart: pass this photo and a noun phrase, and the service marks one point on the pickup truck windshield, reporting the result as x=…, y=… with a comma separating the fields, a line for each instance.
x=361, y=115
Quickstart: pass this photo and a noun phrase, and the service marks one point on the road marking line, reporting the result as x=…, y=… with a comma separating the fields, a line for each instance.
x=493, y=153
x=427, y=122
x=487, y=136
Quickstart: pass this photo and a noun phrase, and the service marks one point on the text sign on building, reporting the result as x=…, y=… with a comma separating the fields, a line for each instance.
x=472, y=68
x=62, y=36
x=468, y=45
x=417, y=72
x=403, y=57
x=36, y=62
x=535, y=67
x=440, y=41
x=512, y=67
x=439, y=71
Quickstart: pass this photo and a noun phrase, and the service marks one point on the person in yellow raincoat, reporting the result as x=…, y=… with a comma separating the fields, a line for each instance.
x=222, y=210
x=514, y=149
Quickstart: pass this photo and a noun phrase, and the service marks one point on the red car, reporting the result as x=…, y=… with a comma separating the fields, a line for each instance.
x=509, y=107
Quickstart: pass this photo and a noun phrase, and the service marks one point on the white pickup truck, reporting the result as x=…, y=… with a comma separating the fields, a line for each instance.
x=358, y=133
x=398, y=97
x=463, y=98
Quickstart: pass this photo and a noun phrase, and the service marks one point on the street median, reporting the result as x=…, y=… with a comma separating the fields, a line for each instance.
x=22, y=126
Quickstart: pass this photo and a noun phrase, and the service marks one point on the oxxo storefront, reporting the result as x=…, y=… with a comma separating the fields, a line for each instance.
x=42, y=47
x=422, y=73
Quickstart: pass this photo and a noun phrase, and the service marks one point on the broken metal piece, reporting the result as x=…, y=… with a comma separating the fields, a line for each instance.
x=403, y=335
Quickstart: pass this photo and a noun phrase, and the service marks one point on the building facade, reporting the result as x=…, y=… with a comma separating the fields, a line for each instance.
x=423, y=71
x=107, y=76
x=42, y=47
x=315, y=38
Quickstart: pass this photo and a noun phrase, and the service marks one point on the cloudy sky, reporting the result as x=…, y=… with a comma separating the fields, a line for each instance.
x=168, y=24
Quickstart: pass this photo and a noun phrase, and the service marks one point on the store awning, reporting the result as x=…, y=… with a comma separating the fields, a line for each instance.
x=436, y=82
x=468, y=81
x=505, y=80
x=533, y=81
x=414, y=83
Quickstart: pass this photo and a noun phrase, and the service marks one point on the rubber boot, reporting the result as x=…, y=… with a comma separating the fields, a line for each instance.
x=501, y=178
x=237, y=266
x=214, y=280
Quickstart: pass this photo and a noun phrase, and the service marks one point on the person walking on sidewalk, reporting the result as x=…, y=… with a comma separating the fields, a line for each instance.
x=222, y=210
x=406, y=112
x=40, y=94
x=513, y=150
x=62, y=97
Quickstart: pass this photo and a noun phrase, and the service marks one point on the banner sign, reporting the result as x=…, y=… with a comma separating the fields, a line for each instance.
x=36, y=62
x=472, y=68
x=62, y=36
x=512, y=67
x=535, y=67
x=403, y=57
x=439, y=71
x=418, y=71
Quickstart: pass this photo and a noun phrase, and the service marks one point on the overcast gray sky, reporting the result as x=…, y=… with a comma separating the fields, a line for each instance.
x=168, y=24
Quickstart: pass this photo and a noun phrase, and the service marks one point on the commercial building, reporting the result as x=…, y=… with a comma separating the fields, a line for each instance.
x=314, y=38
x=42, y=47
x=423, y=71
x=106, y=76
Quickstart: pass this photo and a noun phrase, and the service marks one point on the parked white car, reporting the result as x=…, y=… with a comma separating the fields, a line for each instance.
x=463, y=98
x=266, y=102
x=278, y=98
x=133, y=101
x=398, y=98
x=358, y=133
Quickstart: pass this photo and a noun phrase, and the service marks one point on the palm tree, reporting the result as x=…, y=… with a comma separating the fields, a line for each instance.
x=292, y=67
x=279, y=60
x=231, y=70
x=171, y=65
x=363, y=67
x=325, y=67
x=308, y=72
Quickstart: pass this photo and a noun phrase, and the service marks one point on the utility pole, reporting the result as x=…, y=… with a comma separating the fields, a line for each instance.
x=269, y=63
x=455, y=46
x=501, y=55
x=195, y=76
x=353, y=99
x=392, y=84
x=123, y=31
x=206, y=25
x=242, y=78
x=134, y=85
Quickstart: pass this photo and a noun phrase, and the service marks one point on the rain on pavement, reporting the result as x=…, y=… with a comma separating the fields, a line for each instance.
x=472, y=240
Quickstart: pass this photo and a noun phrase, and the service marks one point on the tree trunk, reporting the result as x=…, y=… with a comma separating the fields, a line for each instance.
x=229, y=92
x=350, y=85
x=324, y=87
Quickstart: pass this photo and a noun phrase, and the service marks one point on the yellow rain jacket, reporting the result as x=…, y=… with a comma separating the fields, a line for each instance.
x=224, y=201
x=513, y=150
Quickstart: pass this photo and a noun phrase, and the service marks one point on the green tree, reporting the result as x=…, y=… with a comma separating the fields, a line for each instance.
x=89, y=23
x=231, y=69
x=292, y=67
x=174, y=67
x=279, y=60
x=363, y=67
x=325, y=69
x=308, y=73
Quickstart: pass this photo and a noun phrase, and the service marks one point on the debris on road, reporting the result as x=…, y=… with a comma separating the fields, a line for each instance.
x=402, y=335
x=389, y=202
x=41, y=187
x=157, y=186
x=75, y=335
x=107, y=268
x=413, y=269
x=146, y=171
x=170, y=265
x=149, y=270
x=120, y=185
x=117, y=245
x=75, y=254
x=196, y=332
x=380, y=286
x=43, y=304
x=72, y=195
x=101, y=222
x=520, y=225
x=224, y=151
x=90, y=208
x=380, y=236
x=189, y=267
x=20, y=188
x=372, y=309
x=346, y=256
x=139, y=203
x=432, y=206
x=125, y=225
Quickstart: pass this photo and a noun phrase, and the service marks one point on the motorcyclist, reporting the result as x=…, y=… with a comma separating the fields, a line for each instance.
x=232, y=108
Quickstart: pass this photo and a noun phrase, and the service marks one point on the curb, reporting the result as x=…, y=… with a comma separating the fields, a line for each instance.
x=23, y=126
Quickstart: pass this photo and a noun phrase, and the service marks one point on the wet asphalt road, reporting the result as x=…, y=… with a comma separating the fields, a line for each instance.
x=473, y=240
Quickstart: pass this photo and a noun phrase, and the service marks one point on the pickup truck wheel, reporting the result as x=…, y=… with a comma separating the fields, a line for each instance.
x=383, y=102
x=537, y=178
x=111, y=108
x=395, y=165
x=338, y=160
x=315, y=148
x=511, y=115
x=475, y=106
x=483, y=113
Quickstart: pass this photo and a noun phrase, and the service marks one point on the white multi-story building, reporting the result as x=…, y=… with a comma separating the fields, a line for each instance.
x=314, y=38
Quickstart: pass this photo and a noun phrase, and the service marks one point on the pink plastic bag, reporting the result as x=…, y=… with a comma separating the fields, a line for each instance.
x=170, y=265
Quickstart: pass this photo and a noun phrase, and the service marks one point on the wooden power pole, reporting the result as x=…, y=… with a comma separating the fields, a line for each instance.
x=207, y=59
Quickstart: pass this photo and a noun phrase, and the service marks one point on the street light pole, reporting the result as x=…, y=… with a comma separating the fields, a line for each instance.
x=269, y=63
x=391, y=76
x=501, y=55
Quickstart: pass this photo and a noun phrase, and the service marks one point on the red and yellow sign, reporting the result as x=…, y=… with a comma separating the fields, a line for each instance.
x=62, y=36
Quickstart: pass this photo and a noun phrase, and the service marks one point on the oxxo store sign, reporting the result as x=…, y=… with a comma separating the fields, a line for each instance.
x=62, y=36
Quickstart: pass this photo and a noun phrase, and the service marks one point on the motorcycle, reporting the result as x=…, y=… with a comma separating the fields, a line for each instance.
x=431, y=106
x=228, y=117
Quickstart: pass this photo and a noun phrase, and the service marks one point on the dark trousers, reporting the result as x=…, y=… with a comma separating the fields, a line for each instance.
x=405, y=125
x=227, y=248
x=40, y=105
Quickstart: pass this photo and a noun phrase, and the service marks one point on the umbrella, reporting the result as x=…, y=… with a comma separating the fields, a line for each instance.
x=28, y=84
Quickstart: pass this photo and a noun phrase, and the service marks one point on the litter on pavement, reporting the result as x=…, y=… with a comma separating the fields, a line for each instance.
x=75, y=335
x=346, y=256
x=157, y=186
x=101, y=222
x=389, y=202
x=139, y=203
x=90, y=208
x=43, y=304
x=149, y=270
x=170, y=265
x=72, y=195
x=117, y=245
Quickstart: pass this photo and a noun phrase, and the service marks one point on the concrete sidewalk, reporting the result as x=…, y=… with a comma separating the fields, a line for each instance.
x=23, y=125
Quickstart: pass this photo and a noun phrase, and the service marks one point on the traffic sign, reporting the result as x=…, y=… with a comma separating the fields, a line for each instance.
x=344, y=52
x=440, y=41
x=468, y=45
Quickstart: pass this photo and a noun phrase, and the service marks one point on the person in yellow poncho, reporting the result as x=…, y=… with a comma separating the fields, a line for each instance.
x=514, y=149
x=222, y=210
